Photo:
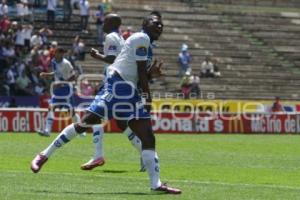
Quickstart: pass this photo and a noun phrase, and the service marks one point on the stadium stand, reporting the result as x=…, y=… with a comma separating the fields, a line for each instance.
x=258, y=51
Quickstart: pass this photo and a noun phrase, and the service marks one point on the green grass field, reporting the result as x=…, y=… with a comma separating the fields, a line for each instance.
x=233, y=167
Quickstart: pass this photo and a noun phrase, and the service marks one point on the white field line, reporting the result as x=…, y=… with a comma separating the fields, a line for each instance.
x=271, y=186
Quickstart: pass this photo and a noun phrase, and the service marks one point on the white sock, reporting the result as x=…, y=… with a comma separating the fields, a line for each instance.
x=64, y=137
x=135, y=141
x=150, y=160
x=75, y=118
x=49, y=121
x=98, y=140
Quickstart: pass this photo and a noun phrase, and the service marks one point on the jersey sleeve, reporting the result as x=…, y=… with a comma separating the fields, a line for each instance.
x=111, y=47
x=141, y=46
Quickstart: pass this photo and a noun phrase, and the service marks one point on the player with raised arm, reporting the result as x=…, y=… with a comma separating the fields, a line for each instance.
x=61, y=89
x=113, y=44
x=120, y=99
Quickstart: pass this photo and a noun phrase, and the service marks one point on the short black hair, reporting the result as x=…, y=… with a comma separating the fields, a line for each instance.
x=60, y=50
x=156, y=13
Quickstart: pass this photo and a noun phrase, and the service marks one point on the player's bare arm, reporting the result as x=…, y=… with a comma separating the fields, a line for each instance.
x=155, y=69
x=143, y=82
x=106, y=58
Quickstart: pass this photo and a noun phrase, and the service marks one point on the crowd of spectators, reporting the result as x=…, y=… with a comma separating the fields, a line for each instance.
x=24, y=53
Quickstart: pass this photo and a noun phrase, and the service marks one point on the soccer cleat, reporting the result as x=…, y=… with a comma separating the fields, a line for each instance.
x=164, y=189
x=43, y=133
x=93, y=163
x=38, y=162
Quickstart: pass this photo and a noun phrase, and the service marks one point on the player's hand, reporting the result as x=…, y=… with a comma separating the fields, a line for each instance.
x=155, y=70
x=94, y=52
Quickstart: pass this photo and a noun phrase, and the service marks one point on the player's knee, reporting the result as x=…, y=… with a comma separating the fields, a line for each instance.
x=148, y=141
x=80, y=128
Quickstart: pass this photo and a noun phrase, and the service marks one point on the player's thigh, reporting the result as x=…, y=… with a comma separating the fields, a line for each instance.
x=122, y=124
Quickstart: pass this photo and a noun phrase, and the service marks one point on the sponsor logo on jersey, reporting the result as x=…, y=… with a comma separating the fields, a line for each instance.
x=141, y=51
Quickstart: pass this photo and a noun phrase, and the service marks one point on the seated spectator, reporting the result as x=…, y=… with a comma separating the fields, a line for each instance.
x=184, y=59
x=186, y=85
x=277, y=106
x=207, y=68
x=190, y=85
x=126, y=34
x=195, y=81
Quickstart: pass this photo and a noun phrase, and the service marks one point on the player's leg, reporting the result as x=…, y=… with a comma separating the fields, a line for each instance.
x=134, y=140
x=76, y=119
x=98, y=158
x=143, y=129
x=49, y=122
x=63, y=138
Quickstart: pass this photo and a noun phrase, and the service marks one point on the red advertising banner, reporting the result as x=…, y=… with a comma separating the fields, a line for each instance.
x=30, y=120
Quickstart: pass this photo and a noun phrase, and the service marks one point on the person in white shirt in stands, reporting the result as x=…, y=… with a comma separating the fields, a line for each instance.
x=20, y=39
x=3, y=8
x=36, y=40
x=207, y=68
x=84, y=14
x=51, y=7
x=27, y=36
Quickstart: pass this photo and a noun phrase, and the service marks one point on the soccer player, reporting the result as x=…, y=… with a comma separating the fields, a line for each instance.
x=120, y=99
x=62, y=89
x=113, y=44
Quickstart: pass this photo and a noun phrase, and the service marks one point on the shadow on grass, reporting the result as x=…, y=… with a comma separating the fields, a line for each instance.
x=115, y=171
x=95, y=193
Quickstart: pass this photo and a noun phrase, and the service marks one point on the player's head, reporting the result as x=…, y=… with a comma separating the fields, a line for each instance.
x=59, y=54
x=111, y=22
x=156, y=13
x=153, y=26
